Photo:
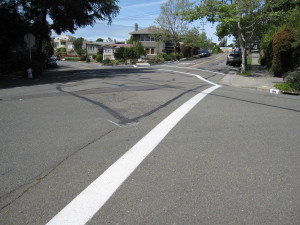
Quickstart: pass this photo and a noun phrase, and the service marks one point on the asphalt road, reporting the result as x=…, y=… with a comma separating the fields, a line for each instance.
x=232, y=159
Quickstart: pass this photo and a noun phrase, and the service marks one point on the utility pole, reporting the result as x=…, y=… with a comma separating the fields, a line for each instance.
x=202, y=24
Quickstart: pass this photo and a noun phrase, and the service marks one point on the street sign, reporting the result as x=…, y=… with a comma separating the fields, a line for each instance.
x=29, y=40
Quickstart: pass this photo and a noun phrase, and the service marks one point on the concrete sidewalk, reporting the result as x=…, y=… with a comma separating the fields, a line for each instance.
x=260, y=79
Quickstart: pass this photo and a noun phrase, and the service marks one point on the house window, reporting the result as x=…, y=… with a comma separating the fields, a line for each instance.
x=149, y=51
x=145, y=37
x=91, y=48
x=108, y=50
x=63, y=42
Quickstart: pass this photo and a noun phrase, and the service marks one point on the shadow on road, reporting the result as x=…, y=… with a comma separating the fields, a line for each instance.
x=63, y=75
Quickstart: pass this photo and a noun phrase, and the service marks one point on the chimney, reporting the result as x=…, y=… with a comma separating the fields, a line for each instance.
x=136, y=27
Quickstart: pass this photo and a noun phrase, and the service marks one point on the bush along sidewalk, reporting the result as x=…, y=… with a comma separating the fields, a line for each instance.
x=291, y=83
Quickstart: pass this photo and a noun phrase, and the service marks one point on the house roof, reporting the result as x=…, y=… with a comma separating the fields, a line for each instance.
x=119, y=45
x=148, y=30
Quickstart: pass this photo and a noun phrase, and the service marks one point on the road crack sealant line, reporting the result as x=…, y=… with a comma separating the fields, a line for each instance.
x=86, y=204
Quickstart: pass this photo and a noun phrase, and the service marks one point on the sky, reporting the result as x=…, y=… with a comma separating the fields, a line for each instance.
x=142, y=12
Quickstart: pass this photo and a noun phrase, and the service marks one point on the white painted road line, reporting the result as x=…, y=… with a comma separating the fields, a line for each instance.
x=81, y=209
x=190, y=68
x=199, y=77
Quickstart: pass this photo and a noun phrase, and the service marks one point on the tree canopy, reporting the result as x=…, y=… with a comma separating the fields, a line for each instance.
x=42, y=17
x=171, y=21
x=240, y=18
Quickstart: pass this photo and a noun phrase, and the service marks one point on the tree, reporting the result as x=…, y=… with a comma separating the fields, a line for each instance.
x=240, y=18
x=139, y=50
x=171, y=21
x=192, y=40
x=119, y=53
x=78, y=46
x=109, y=39
x=99, y=40
x=280, y=43
x=41, y=17
x=130, y=41
x=13, y=28
x=64, y=15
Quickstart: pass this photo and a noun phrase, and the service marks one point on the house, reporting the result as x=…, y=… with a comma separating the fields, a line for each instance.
x=64, y=41
x=109, y=50
x=94, y=47
x=151, y=45
x=105, y=48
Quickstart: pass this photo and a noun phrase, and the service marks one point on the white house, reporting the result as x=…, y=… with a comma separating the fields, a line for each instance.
x=64, y=41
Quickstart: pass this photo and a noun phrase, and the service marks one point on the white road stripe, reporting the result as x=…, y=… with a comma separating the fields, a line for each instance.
x=201, y=78
x=190, y=68
x=81, y=209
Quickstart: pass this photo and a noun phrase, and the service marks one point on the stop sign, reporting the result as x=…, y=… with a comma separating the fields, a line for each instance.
x=29, y=40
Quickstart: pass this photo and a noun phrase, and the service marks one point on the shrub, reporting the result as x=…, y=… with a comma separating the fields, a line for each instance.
x=179, y=56
x=99, y=57
x=281, y=46
x=61, y=50
x=83, y=58
x=293, y=78
x=166, y=57
x=119, y=53
x=129, y=53
x=72, y=58
x=107, y=62
x=157, y=59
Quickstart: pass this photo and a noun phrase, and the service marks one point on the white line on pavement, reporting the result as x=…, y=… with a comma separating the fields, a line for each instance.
x=190, y=68
x=83, y=207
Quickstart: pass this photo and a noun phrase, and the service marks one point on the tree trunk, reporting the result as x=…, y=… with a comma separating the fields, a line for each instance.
x=41, y=36
x=174, y=44
x=243, y=48
x=244, y=58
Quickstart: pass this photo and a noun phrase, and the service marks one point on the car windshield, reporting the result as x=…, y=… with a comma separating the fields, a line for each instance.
x=234, y=54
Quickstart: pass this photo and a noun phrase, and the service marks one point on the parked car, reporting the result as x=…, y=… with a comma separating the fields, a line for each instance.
x=51, y=62
x=204, y=53
x=234, y=58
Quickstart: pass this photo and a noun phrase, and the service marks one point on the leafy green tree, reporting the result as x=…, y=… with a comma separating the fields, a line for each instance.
x=130, y=41
x=119, y=53
x=41, y=17
x=78, y=46
x=171, y=21
x=139, y=50
x=192, y=40
x=280, y=43
x=240, y=18
x=204, y=41
x=129, y=53
x=99, y=40
x=64, y=15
